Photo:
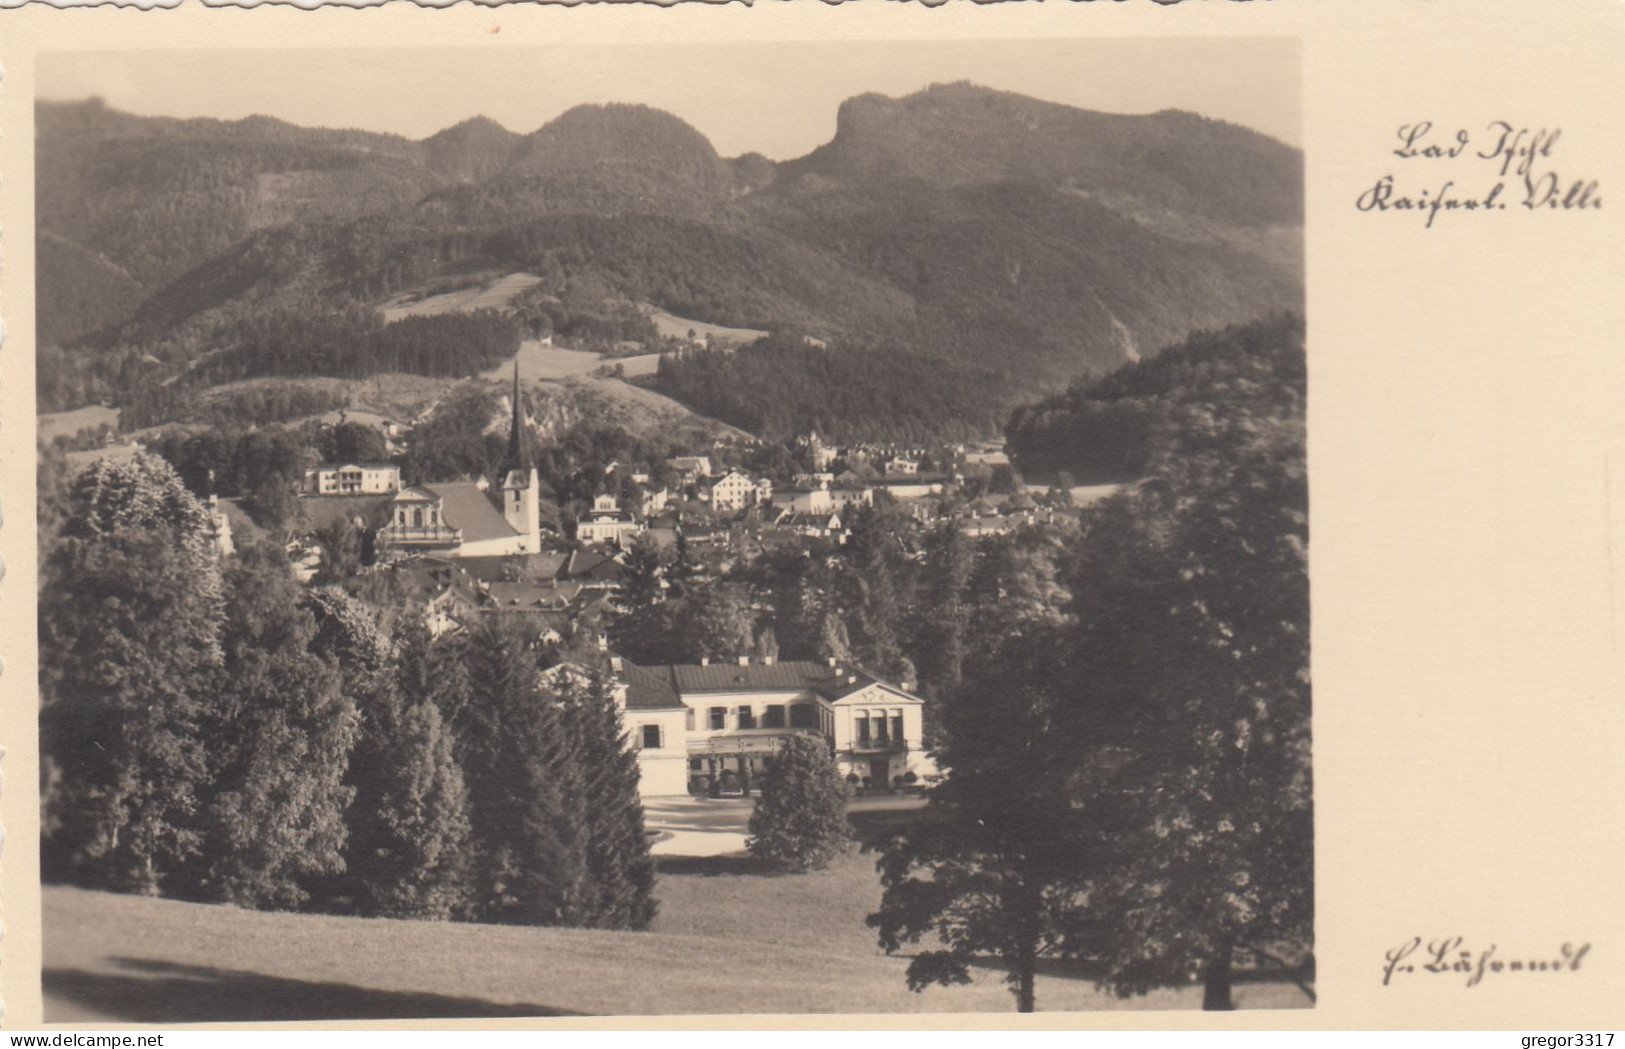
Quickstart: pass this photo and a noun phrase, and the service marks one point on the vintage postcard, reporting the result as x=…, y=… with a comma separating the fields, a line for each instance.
x=620, y=516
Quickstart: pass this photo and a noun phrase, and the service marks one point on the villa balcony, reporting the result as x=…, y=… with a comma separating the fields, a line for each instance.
x=879, y=746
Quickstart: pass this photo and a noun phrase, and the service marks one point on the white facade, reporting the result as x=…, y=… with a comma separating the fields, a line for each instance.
x=852, y=495
x=652, y=502
x=353, y=479
x=697, y=726
x=732, y=492
x=521, y=508
x=661, y=738
x=607, y=523
x=804, y=500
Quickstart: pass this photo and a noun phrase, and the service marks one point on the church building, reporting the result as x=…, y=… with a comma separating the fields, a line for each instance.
x=458, y=519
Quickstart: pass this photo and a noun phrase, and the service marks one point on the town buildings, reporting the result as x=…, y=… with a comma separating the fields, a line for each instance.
x=804, y=499
x=705, y=724
x=690, y=469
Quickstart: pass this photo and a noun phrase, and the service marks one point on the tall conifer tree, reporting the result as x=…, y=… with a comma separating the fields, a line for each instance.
x=619, y=869
x=527, y=841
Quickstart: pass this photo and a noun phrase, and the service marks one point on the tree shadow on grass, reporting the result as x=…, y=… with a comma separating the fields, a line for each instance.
x=716, y=866
x=162, y=992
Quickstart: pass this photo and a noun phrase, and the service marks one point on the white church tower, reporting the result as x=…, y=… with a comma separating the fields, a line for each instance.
x=521, y=487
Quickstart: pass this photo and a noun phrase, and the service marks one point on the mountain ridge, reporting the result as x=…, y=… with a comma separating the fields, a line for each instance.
x=958, y=221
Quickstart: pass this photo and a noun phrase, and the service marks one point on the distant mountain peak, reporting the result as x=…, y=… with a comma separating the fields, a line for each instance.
x=472, y=150
x=962, y=134
x=636, y=140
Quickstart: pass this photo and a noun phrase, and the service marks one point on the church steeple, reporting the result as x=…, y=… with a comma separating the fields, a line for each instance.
x=521, y=489
x=517, y=457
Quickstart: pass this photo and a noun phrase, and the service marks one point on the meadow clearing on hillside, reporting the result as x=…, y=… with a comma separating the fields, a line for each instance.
x=671, y=326
x=494, y=295
x=539, y=362
x=50, y=425
x=730, y=938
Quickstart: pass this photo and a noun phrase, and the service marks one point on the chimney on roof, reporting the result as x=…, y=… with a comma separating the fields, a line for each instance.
x=767, y=661
x=705, y=661
x=744, y=661
x=830, y=661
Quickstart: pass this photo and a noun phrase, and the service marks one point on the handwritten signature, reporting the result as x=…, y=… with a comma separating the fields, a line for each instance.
x=1449, y=955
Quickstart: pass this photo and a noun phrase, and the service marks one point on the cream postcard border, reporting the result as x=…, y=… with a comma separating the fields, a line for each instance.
x=1467, y=473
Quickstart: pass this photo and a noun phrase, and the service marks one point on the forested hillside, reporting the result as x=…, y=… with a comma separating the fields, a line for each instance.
x=1110, y=428
x=1022, y=238
x=780, y=387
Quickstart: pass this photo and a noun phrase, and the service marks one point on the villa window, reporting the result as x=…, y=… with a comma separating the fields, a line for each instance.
x=773, y=716
x=861, y=727
x=651, y=737
x=804, y=715
x=747, y=717
x=719, y=718
x=896, y=727
x=688, y=720
x=880, y=728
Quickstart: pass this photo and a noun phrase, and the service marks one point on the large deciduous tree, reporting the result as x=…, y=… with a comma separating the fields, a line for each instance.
x=130, y=615
x=998, y=864
x=1192, y=596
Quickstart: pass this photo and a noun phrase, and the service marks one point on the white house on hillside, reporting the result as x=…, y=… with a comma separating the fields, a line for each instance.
x=732, y=492
x=353, y=479
x=607, y=523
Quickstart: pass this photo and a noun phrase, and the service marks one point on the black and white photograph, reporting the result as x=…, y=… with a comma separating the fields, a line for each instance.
x=697, y=528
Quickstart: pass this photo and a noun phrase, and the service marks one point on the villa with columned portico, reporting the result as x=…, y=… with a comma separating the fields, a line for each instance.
x=718, y=723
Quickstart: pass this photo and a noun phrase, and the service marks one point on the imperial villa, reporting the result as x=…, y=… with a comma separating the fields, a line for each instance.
x=696, y=725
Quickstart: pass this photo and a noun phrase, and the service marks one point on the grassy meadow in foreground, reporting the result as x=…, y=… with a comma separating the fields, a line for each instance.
x=729, y=939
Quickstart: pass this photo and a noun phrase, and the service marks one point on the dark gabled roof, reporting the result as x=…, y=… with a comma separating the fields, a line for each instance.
x=649, y=688
x=467, y=509
x=660, y=687
x=592, y=562
x=532, y=596
x=495, y=568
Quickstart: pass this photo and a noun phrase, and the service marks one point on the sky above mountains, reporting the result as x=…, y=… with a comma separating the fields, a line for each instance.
x=779, y=99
